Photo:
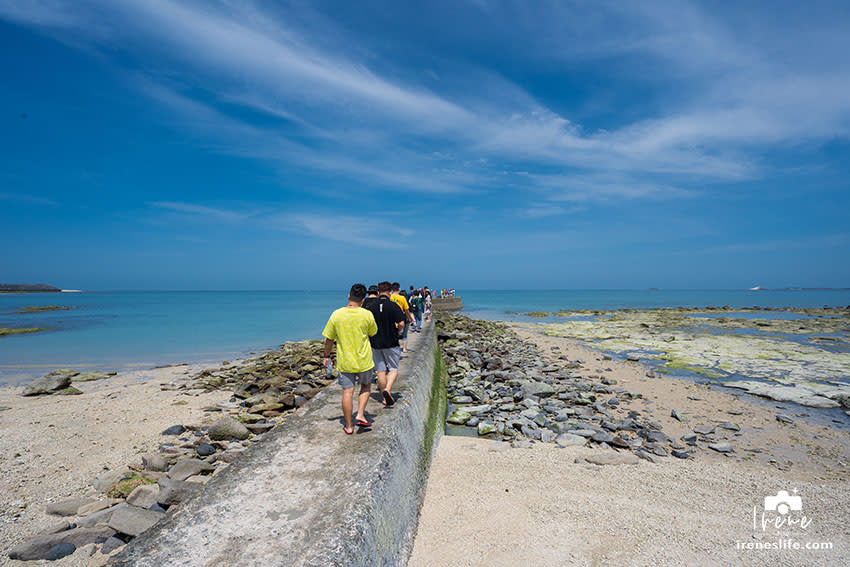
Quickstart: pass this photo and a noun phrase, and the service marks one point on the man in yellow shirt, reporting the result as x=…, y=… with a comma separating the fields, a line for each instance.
x=350, y=327
x=400, y=300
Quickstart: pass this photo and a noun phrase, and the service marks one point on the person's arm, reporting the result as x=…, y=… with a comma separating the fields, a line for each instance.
x=329, y=344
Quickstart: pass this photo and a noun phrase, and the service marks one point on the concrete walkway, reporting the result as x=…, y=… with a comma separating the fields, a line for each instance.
x=309, y=494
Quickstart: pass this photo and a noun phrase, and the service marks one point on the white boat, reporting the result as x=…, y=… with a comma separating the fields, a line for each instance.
x=757, y=288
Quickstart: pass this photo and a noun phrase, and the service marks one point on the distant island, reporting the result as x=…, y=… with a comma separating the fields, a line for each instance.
x=18, y=288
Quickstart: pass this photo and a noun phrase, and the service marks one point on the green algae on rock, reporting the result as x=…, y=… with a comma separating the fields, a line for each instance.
x=40, y=308
x=725, y=348
x=7, y=331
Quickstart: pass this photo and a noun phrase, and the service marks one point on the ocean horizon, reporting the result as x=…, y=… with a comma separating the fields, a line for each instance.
x=120, y=330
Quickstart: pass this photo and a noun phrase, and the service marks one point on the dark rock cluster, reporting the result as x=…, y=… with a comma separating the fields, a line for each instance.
x=504, y=388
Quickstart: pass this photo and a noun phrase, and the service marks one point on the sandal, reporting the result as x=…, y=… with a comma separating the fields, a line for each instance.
x=388, y=398
x=346, y=431
x=363, y=423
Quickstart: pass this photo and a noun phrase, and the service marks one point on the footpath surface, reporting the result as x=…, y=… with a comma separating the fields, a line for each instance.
x=311, y=495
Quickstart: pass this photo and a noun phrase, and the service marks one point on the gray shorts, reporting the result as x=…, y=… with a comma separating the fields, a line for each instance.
x=386, y=359
x=404, y=331
x=349, y=379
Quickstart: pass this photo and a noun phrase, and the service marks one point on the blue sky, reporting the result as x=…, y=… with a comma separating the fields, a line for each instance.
x=152, y=144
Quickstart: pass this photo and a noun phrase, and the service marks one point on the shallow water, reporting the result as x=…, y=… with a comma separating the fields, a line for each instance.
x=114, y=330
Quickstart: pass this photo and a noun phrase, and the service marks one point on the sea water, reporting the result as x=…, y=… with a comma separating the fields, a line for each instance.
x=117, y=330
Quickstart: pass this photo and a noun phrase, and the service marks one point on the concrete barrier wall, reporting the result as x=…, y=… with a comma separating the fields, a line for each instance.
x=447, y=304
x=310, y=495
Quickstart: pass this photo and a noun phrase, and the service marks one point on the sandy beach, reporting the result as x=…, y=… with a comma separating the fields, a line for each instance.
x=488, y=503
x=54, y=447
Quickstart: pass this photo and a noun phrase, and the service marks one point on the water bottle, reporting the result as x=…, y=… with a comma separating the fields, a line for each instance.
x=329, y=369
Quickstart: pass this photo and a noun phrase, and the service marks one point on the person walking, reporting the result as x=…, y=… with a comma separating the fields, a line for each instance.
x=385, y=350
x=417, y=307
x=350, y=328
x=401, y=301
x=428, y=304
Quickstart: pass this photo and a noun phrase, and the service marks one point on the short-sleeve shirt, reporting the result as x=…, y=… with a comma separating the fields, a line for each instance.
x=387, y=314
x=351, y=328
x=400, y=301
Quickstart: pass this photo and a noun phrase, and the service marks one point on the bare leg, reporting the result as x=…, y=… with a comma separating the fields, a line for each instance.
x=404, y=346
x=347, y=407
x=362, y=398
x=382, y=382
x=391, y=378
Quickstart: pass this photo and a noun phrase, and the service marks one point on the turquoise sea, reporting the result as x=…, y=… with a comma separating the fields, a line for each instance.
x=115, y=330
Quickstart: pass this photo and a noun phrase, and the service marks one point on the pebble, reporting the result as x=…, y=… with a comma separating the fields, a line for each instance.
x=782, y=418
x=721, y=447
x=174, y=430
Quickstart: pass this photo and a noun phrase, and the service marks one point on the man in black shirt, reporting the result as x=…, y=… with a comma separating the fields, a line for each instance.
x=371, y=296
x=385, y=350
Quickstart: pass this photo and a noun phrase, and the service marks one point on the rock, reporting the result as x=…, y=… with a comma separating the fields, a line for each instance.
x=90, y=509
x=132, y=521
x=676, y=415
x=174, y=430
x=259, y=428
x=618, y=441
x=602, y=437
x=205, y=449
x=477, y=410
x=49, y=383
x=56, y=528
x=646, y=456
x=67, y=507
x=459, y=417
x=99, y=518
x=228, y=428
x=583, y=432
x=69, y=391
x=111, y=545
x=689, y=437
x=704, y=429
x=473, y=421
x=782, y=418
x=60, y=550
x=188, y=467
x=486, y=428
x=657, y=437
x=633, y=357
x=155, y=463
x=175, y=491
x=680, y=454
x=547, y=436
x=534, y=388
x=797, y=394
x=721, y=447
x=731, y=426
x=611, y=458
x=462, y=400
x=570, y=440
x=94, y=375
x=144, y=496
x=123, y=488
x=38, y=547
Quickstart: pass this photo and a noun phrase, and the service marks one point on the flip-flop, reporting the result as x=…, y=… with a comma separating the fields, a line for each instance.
x=363, y=423
x=347, y=432
x=388, y=398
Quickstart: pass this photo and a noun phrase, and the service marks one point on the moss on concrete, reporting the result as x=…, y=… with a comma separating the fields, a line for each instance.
x=437, y=405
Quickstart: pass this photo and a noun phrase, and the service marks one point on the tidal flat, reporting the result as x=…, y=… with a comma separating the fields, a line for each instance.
x=796, y=355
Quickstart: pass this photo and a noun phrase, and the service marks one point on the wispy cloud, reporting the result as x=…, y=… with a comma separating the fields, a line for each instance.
x=204, y=212
x=370, y=232
x=727, y=96
x=28, y=199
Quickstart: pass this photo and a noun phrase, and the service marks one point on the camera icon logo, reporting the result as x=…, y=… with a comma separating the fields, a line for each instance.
x=783, y=502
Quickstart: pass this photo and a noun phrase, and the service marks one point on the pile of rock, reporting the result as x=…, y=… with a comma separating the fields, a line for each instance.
x=127, y=502
x=504, y=388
